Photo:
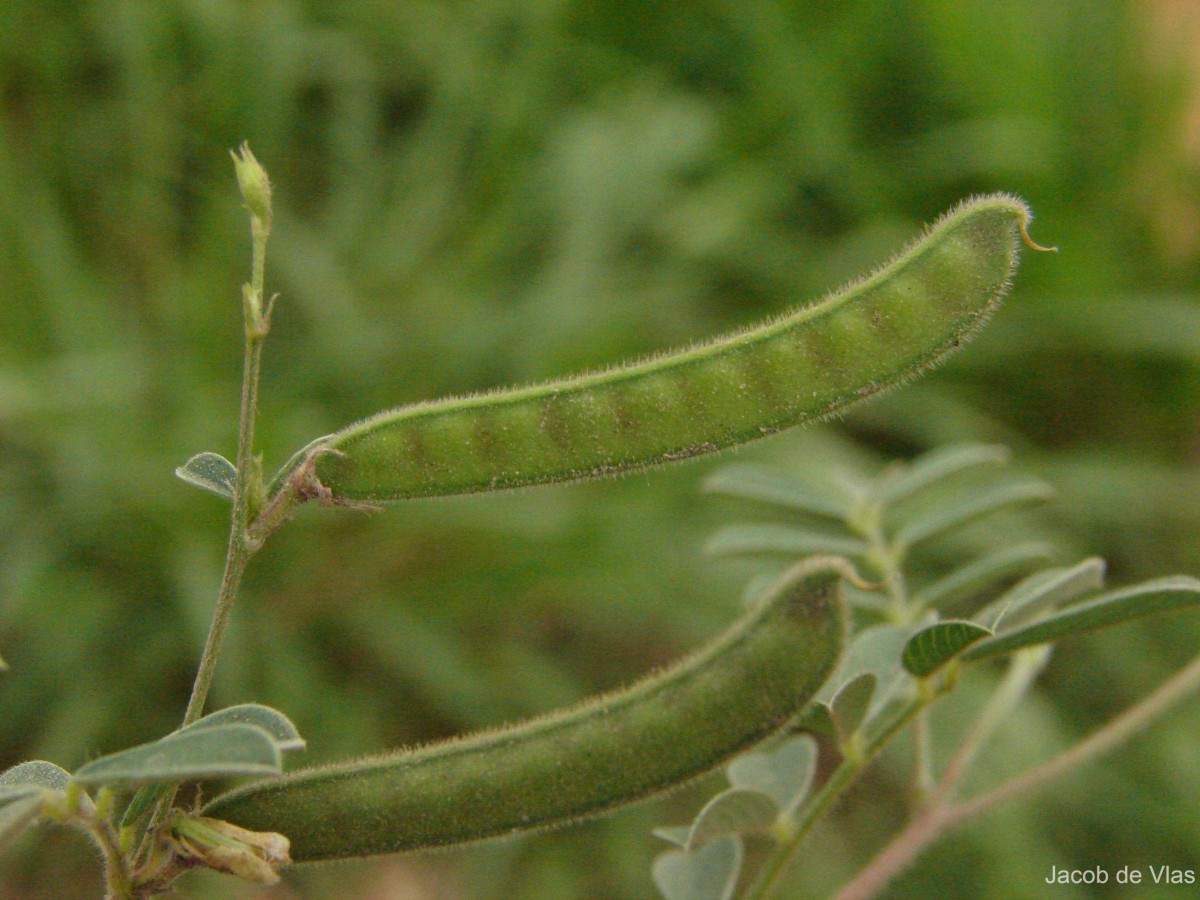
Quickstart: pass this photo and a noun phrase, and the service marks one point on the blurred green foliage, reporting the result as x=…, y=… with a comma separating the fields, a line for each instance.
x=474, y=194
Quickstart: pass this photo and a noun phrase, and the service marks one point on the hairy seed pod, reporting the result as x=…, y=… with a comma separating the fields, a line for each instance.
x=807, y=364
x=622, y=747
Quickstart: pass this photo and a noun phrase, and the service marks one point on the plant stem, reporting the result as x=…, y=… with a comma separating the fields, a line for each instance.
x=256, y=191
x=247, y=489
x=239, y=551
x=889, y=559
x=942, y=816
x=776, y=864
x=930, y=819
x=922, y=758
x=867, y=521
x=117, y=876
x=94, y=819
x=922, y=830
x=1024, y=668
x=1184, y=682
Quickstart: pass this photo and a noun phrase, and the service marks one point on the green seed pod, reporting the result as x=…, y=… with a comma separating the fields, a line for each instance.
x=810, y=363
x=661, y=732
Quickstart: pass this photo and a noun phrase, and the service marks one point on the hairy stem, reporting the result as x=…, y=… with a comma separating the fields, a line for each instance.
x=239, y=550
x=117, y=875
x=93, y=818
x=256, y=191
x=248, y=487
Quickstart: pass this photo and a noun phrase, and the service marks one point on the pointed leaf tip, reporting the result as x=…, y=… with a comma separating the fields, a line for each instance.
x=674, y=834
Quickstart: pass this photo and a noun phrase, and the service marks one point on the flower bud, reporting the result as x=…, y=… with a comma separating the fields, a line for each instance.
x=254, y=185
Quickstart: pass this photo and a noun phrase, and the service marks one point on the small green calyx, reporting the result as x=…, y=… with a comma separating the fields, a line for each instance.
x=254, y=185
x=253, y=855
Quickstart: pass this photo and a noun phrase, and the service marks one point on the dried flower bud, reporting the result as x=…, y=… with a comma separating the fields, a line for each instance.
x=252, y=855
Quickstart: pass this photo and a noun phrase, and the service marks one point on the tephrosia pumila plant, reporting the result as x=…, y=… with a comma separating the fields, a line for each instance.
x=836, y=641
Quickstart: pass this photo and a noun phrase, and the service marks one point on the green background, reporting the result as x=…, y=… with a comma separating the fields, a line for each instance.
x=475, y=194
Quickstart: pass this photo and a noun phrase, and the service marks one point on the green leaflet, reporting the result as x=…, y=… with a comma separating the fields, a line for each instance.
x=665, y=730
x=709, y=873
x=217, y=751
x=807, y=364
x=210, y=472
x=784, y=773
x=1108, y=609
x=36, y=772
x=731, y=812
x=931, y=648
